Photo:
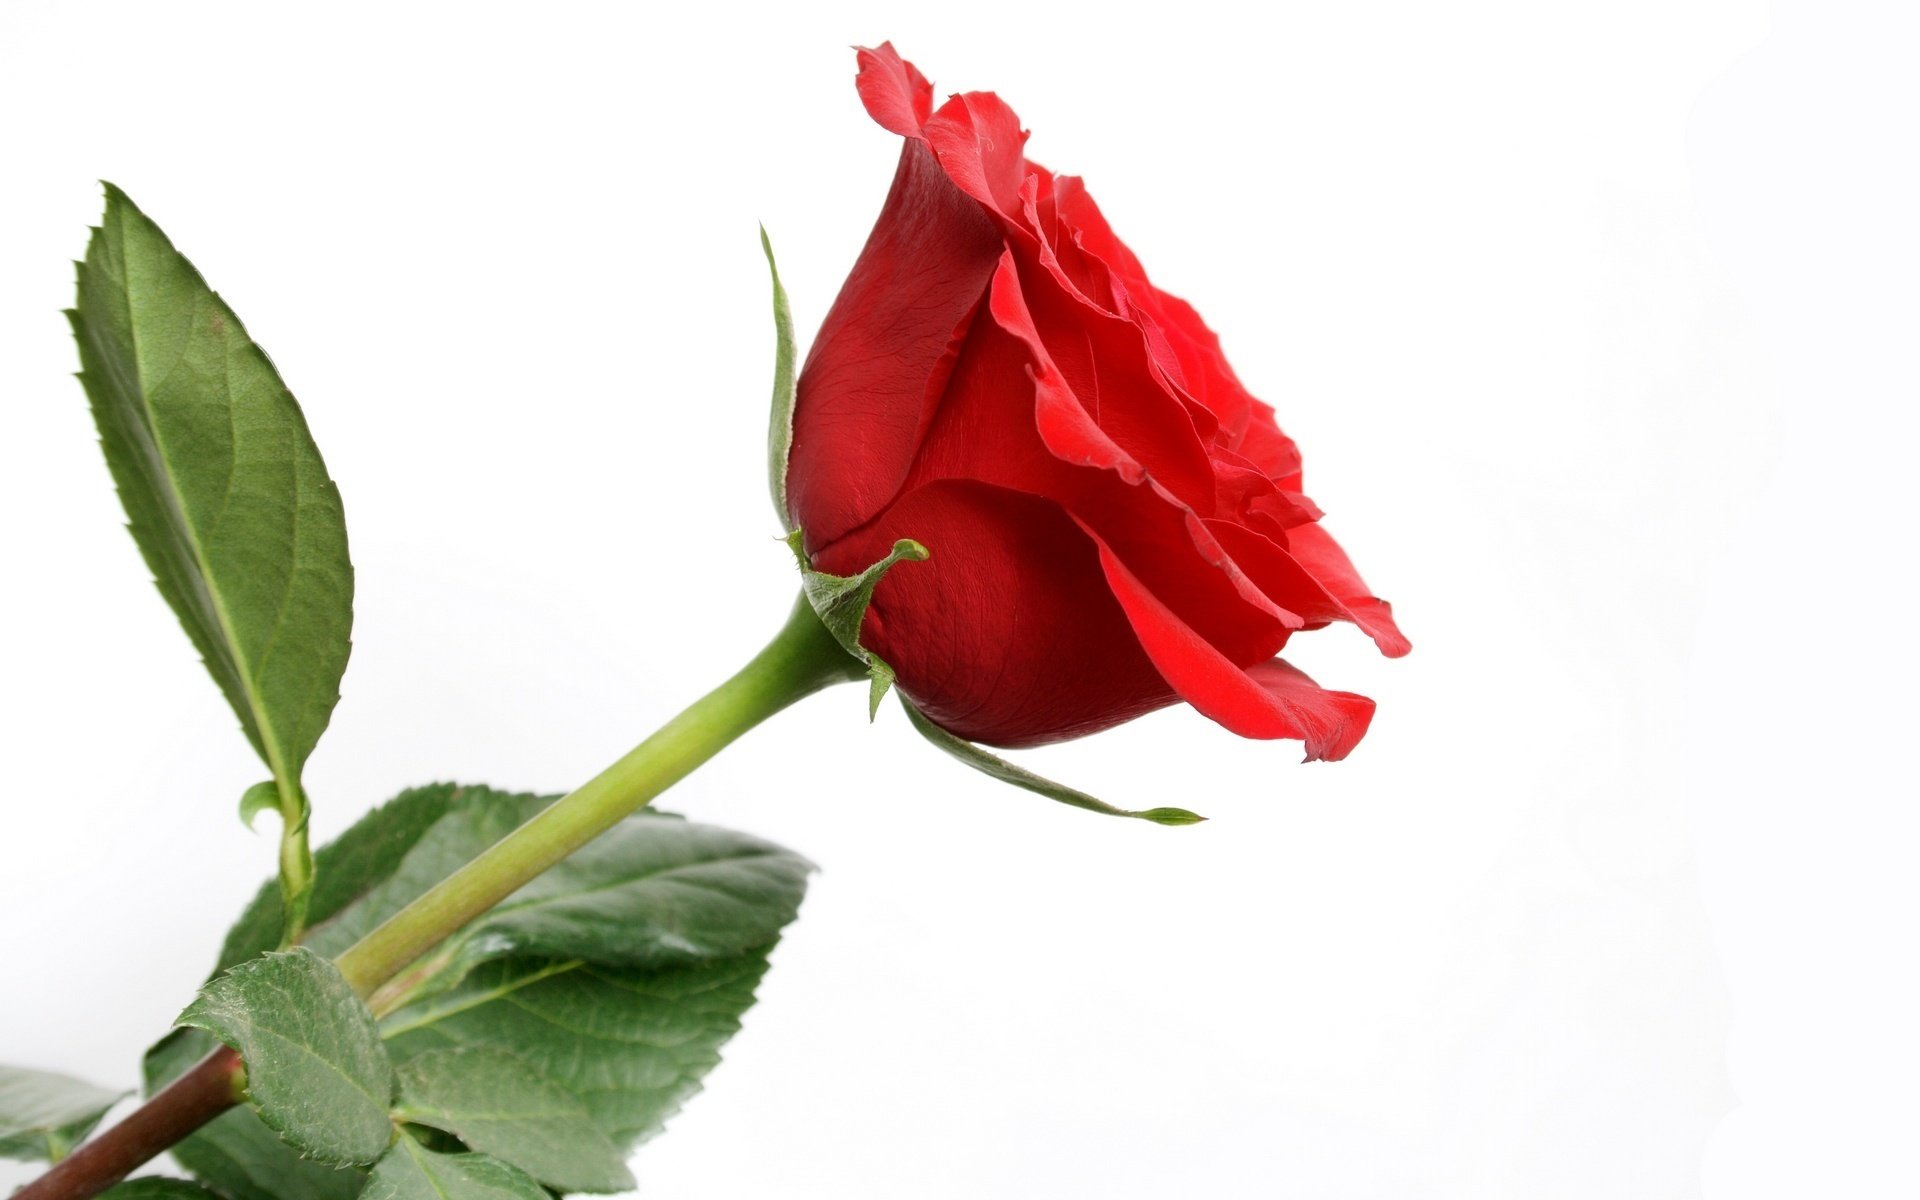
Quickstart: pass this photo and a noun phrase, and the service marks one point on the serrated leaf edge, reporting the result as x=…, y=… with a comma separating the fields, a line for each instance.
x=192, y=1018
x=255, y=720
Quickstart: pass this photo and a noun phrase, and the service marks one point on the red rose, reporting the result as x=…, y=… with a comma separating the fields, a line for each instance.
x=1115, y=522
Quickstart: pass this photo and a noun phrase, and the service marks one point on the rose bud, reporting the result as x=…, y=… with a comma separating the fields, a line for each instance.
x=1114, y=523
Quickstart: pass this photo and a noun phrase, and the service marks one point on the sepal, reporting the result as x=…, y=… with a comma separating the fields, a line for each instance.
x=1006, y=772
x=841, y=603
x=780, y=419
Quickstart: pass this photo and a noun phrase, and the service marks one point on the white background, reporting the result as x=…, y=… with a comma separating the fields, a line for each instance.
x=1595, y=322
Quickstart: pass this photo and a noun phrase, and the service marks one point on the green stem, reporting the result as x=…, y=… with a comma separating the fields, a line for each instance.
x=801, y=659
x=296, y=866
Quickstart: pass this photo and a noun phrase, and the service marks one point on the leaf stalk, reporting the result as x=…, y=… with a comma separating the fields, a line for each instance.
x=296, y=864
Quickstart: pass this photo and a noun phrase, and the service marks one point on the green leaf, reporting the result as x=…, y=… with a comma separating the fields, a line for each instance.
x=780, y=426
x=410, y=1171
x=498, y=1104
x=316, y=1071
x=633, y=1043
x=158, y=1187
x=224, y=489
x=236, y=1153
x=841, y=603
x=619, y=974
x=653, y=890
x=43, y=1114
x=627, y=1007
x=1006, y=772
x=473, y=819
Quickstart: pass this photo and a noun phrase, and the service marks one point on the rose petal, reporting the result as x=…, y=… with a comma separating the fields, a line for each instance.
x=1183, y=338
x=1007, y=419
x=1246, y=492
x=869, y=385
x=896, y=94
x=1294, y=586
x=980, y=145
x=1270, y=700
x=1103, y=362
x=1314, y=548
x=1007, y=635
x=1274, y=452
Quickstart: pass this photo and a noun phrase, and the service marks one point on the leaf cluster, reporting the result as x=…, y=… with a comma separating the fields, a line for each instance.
x=533, y=1049
x=526, y=1054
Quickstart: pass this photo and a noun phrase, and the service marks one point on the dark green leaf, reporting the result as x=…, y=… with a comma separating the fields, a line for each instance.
x=647, y=989
x=316, y=1071
x=1006, y=772
x=474, y=819
x=236, y=1153
x=632, y=1043
x=654, y=890
x=410, y=1171
x=651, y=891
x=498, y=1104
x=619, y=974
x=44, y=1114
x=780, y=425
x=224, y=489
x=158, y=1187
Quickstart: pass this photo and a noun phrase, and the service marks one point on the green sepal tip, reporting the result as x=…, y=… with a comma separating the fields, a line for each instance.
x=780, y=421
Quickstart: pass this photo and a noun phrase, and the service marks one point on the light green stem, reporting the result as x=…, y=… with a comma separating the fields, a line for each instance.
x=296, y=868
x=801, y=660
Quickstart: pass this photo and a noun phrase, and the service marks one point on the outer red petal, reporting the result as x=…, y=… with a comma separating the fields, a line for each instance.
x=1008, y=634
x=981, y=146
x=1315, y=549
x=1008, y=419
x=1271, y=700
x=882, y=357
x=896, y=94
x=1263, y=443
x=1102, y=363
x=1289, y=575
x=1182, y=341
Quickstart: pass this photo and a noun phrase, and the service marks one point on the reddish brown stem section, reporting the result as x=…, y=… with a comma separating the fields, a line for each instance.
x=184, y=1105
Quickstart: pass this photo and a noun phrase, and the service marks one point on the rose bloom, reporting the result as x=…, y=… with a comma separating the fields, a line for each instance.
x=1115, y=523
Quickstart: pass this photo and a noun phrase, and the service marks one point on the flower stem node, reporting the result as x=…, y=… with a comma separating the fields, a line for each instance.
x=841, y=602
